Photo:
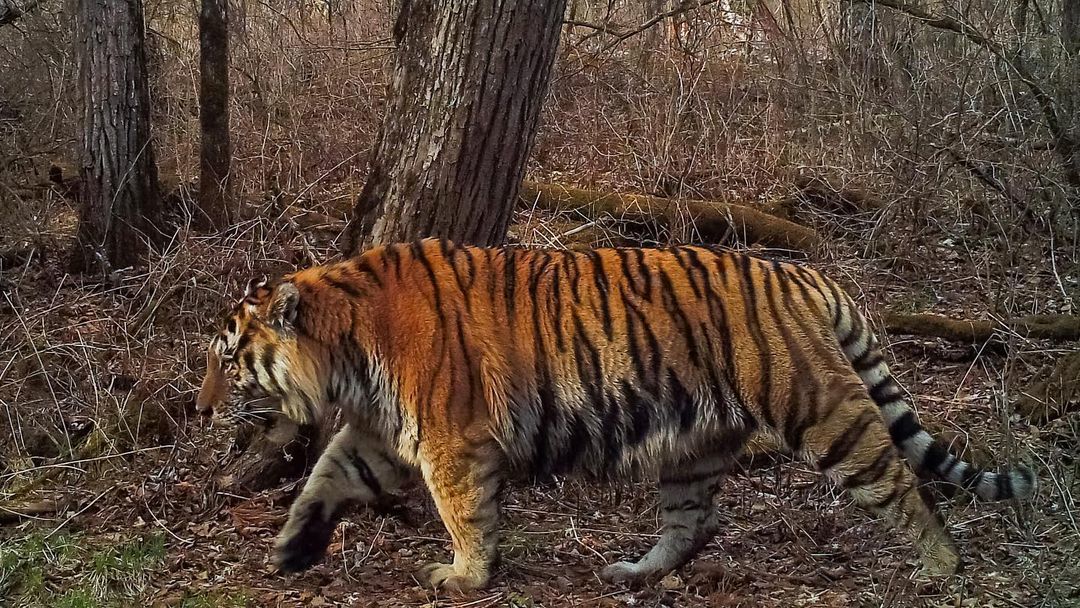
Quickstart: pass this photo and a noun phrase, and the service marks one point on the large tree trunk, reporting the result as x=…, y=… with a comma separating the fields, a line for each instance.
x=469, y=81
x=119, y=186
x=214, y=154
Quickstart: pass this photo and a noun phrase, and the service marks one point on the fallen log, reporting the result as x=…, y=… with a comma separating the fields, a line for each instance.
x=1058, y=328
x=714, y=220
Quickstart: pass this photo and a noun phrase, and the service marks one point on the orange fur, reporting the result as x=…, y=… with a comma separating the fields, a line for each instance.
x=473, y=364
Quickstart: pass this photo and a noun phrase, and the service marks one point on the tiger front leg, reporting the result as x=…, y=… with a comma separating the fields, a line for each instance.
x=465, y=484
x=355, y=467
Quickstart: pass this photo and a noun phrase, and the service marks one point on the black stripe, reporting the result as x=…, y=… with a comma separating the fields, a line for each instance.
x=749, y=294
x=868, y=360
x=613, y=431
x=952, y=465
x=645, y=273
x=872, y=472
x=688, y=270
x=624, y=261
x=601, y=280
x=394, y=256
x=572, y=448
x=845, y=442
x=886, y=391
x=474, y=394
x=451, y=259
x=673, y=308
x=587, y=359
x=470, y=264
x=903, y=428
x=363, y=267
x=343, y=286
x=801, y=406
x=934, y=457
x=575, y=276
x=1004, y=487
x=509, y=282
x=365, y=473
x=266, y=360
x=647, y=357
x=555, y=294
x=972, y=477
x=549, y=415
x=421, y=256
x=682, y=401
x=897, y=491
x=640, y=418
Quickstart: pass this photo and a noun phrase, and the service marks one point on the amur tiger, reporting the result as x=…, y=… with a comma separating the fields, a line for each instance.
x=473, y=365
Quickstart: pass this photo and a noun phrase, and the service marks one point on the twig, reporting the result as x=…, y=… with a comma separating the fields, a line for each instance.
x=1064, y=143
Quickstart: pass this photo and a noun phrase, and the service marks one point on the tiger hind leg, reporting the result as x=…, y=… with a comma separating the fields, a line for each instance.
x=852, y=447
x=688, y=516
x=355, y=467
x=466, y=483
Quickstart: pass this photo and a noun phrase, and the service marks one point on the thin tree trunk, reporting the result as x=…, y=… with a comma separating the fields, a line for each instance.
x=469, y=81
x=119, y=185
x=1070, y=25
x=215, y=153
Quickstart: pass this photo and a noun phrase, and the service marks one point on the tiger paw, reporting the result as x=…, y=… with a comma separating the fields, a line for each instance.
x=447, y=577
x=626, y=572
x=303, y=541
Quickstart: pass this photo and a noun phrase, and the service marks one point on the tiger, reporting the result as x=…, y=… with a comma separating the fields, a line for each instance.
x=470, y=367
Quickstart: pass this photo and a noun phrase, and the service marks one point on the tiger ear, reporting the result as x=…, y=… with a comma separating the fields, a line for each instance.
x=254, y=285
x=282, y=309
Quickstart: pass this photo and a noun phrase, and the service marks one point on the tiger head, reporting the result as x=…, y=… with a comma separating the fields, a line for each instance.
x=256, y=365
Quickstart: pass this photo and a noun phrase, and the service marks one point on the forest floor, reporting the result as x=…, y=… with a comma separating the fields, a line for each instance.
x=97, y=384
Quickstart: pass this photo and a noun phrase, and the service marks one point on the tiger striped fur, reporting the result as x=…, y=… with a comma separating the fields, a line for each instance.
x=472, y=365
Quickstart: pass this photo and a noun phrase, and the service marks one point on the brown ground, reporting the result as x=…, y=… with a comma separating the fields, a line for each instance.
x=146, y=516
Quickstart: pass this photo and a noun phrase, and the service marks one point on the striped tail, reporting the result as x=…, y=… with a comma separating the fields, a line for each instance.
x=926, y=454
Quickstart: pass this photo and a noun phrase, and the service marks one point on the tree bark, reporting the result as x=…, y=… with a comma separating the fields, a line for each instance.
x=214, y=151
x=1070, y=26
x=465, y=98
x=119, y=182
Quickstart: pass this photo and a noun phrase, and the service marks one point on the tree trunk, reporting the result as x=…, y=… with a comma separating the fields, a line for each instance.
x=465, y=98
x=1070, y=25
x=119, y=190
x=214, y=151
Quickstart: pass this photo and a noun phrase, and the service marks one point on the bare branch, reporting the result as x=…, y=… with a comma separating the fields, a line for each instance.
x=1064, y=144
x=683, y=7
x=11, y=10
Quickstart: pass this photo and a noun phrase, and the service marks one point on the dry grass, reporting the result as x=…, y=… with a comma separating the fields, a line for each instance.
x=97, y=377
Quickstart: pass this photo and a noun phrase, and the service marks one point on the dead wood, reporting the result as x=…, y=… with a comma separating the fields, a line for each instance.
x=1054, y=395
x=1058, y=328
x=714, y=220
x=822, y=193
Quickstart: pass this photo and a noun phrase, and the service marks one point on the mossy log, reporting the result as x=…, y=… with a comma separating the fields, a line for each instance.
x=714, y=220
x=1058, y=328
x=1057, y=393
